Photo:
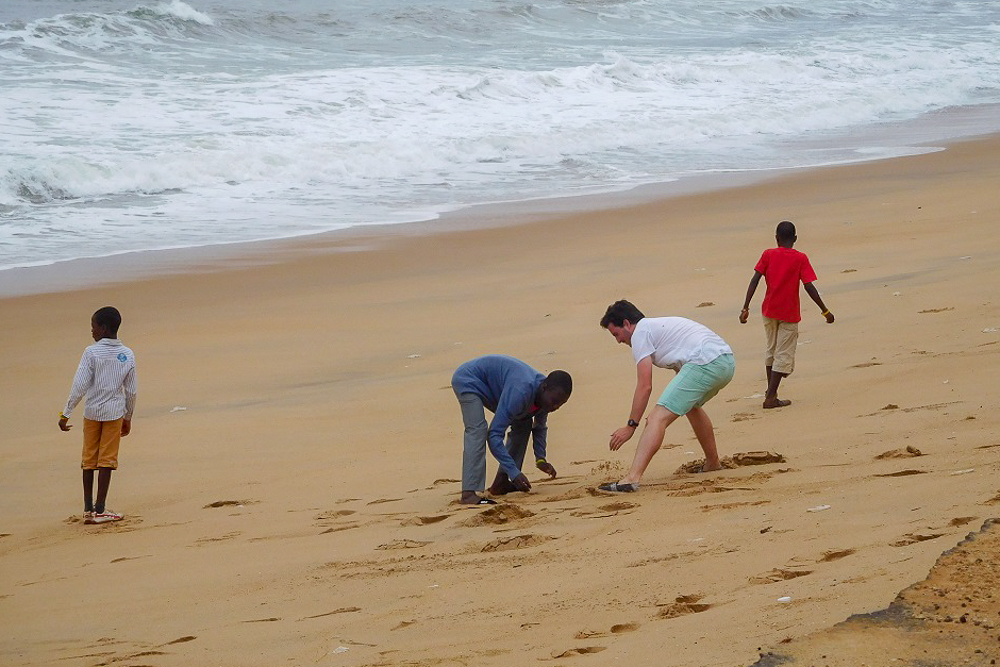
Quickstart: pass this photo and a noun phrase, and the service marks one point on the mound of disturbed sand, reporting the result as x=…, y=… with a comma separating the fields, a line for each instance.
x=951, y=618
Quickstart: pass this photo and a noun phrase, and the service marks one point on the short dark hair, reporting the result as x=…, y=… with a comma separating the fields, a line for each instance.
x=785, y=231
x=559, y=380
x=620, y=311
x=109, y=318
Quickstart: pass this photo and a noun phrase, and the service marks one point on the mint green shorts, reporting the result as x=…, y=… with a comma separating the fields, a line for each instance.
x=695, y=385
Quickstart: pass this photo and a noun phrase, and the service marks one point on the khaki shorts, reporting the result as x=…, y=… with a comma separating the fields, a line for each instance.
x=782, y=337
x=100, y=444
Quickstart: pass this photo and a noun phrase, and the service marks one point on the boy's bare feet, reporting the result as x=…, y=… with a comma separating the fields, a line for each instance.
x=707, y=467
x=775, y=403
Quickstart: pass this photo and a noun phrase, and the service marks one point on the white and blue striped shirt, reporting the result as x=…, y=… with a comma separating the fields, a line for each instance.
x=106, y=375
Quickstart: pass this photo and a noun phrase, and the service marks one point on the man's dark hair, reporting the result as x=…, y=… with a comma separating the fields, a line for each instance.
x=559, y=380
x=109, y=318
x=620, y=311
x=785, y=231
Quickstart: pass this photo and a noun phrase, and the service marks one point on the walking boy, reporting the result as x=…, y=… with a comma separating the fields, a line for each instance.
x=106, y=376
x=704, y=364
x=520, y=399
x=782, y=267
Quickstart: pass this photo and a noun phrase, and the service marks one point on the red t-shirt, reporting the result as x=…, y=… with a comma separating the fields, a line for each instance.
x=782, y=269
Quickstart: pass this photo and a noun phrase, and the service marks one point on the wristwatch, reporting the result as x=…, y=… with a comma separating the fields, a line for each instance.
x=633, y=423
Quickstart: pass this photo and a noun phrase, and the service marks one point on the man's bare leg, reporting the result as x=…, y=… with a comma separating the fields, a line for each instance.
x=705, y=433
x=649, y=443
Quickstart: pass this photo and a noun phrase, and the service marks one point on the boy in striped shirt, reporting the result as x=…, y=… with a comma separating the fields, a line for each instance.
x=106, y=376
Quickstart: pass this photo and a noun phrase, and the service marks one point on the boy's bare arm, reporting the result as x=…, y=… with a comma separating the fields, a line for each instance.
x=745, y=313
x=814, y=295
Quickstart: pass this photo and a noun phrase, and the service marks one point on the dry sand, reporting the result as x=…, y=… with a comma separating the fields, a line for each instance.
x=300, y=509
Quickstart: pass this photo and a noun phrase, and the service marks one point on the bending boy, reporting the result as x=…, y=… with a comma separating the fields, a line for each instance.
x=520, y=399
x=704, y=364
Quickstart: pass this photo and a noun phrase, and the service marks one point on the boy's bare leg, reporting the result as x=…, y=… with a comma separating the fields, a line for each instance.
x=88, y=490
x=771, y=399
x=649, y=443
x=103, y=483
x=705, y=433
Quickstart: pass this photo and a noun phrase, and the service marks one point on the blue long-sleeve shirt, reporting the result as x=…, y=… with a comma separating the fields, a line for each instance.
x=507, y=387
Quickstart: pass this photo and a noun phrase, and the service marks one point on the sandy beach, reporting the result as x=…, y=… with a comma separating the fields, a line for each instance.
x=290, y=481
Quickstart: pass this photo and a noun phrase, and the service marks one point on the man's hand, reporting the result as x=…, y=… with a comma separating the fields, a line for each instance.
x=547, y=468
x=521, y=483
x=744, y=314
x=829, y=317
x=620, y=437
x=64, y=424
x=126, y=427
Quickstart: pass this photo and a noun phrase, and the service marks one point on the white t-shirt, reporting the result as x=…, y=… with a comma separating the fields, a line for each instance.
x=675, y=341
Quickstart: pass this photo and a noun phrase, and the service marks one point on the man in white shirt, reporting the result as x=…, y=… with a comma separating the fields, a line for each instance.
x=704, y=364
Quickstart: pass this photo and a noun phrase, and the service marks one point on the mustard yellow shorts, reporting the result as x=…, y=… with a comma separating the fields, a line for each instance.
x=782, y=338
x=100, y=444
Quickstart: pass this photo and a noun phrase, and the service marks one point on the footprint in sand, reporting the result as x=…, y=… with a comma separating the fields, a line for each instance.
x=744, y=416
x=402, y=544
x=738, y=460
x=682, y=606
x=497, y=515
x=909, y=452
x=384, y=500
x=578, y=651
x=622, y=628
x=835, y=554
x=515, y=542
x=228, y=503
x=221, y=538
x=125, y=558
x=903, y=473
x=342, y=610
x=334, y=514
x=731, y=506
x=961, y=521
x=423, y=520
x=609, y=510
x=181, y=640
x=778, y=574
x=913, y=538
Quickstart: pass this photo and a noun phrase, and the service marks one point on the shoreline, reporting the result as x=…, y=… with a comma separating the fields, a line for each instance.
x=905, y=139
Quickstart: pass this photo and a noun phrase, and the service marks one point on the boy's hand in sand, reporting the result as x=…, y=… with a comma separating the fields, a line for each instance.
x=521, y=483
x=547, y=468
x=744, y=314
x=620, y=437
x=64, y=424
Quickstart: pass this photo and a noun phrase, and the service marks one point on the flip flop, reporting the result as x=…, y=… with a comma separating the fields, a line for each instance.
x=618, y=487
x=485, y=501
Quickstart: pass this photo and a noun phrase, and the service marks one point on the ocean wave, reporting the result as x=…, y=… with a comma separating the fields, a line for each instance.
x=113, y=33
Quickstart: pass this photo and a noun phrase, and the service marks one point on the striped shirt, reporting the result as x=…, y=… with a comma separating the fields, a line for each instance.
x=106, y=376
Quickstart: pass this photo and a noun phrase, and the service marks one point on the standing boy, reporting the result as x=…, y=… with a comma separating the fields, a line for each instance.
x=106, y=376
x=520, y=399
x=783, y=268
x=704, y=364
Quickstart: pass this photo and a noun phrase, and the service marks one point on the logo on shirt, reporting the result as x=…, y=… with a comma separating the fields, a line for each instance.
x=122, y=357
